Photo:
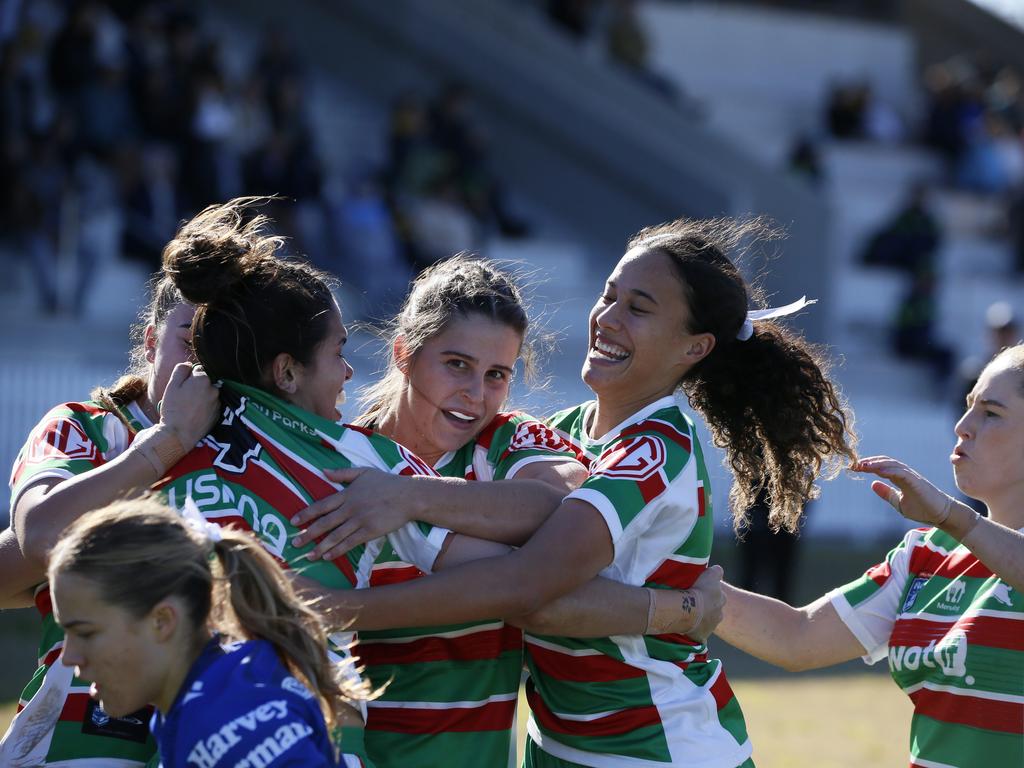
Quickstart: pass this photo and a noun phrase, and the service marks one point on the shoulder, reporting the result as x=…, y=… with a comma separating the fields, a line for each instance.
x=363, y=447
x=567, y=418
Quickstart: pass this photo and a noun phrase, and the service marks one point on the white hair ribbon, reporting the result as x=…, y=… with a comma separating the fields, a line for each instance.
x=194, y=519
x=747, y=329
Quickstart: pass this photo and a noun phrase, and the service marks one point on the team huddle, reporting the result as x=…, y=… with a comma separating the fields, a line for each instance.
x=231, y=573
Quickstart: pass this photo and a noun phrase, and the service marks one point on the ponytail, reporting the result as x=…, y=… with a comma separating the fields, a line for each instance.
x=767, y=400
x=264, y=605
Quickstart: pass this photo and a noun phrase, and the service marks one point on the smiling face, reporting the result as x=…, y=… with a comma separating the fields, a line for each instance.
x=107, y=646
x=640, y=347
x=988, y=460
x=455, y=384
x=320, y=385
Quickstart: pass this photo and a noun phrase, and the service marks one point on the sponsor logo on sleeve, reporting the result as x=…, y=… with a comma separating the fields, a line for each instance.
x=534, y=435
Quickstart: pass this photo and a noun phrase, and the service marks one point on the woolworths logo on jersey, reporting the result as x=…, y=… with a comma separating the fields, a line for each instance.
x=948, y=655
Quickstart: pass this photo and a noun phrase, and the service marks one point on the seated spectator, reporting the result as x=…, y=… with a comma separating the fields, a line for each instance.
x=909, y=241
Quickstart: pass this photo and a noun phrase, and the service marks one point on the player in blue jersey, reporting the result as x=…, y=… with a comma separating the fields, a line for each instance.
x=202, y=623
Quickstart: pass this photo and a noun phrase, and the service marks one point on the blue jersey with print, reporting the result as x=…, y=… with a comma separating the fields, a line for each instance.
x=240, y=707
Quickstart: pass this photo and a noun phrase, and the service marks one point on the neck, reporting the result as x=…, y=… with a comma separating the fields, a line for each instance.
x=148, y=403
x=1008, y=511
x=177, y=673
x=611, y=412
x=391, y=429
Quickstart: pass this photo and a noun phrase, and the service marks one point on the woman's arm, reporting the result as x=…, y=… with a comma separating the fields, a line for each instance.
x=1001, y=549
x=44, y=509
x=569, y=549
x=375, y=503
x=795, y=639
x=17, y=579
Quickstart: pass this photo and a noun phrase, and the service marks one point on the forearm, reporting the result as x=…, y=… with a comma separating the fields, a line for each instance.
x=17, y=577
x=795, y=639
x=599, y=608
x=42, y=518
x=999, y=548
x=506, y=511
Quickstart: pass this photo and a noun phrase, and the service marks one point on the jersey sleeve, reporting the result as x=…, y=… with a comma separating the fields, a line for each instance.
x=71, y=439
x=870, y=605
x=519, y=440
x=261, y=726
x=627, y=485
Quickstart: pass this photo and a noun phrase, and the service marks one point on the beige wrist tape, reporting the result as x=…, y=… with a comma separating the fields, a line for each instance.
x=668, y=607
x=161, y=447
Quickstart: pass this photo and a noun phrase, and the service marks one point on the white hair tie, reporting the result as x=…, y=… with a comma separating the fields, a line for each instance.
x=747, y=329
x=194, y=519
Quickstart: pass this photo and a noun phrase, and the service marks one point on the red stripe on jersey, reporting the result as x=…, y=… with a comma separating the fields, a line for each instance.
x=361, y=430
x=701, y=499
x=663, y=428
x=484, y=645
x=492, y=716
x=92, y=410
x=677, y=575
x=74, y=707
x=879, y=573
x=988, y=631
x=974, y=711
x=43, y=603
x=487, y=435
x=927, y=562
x=51, y=658
x=677, y=639
x=197, y=460
x=312, y=483
x=652, y=487
x=595, y=668
x=721, y=690
x=614, y=724
x=380, y=577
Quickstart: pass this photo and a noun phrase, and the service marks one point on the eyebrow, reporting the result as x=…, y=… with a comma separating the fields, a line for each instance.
x=473, y=359
x=991, y=402
x=635, y=292
x=70, y=624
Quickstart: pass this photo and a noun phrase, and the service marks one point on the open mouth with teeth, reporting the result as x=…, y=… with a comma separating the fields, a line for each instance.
x=608, y=351
x=459, y=417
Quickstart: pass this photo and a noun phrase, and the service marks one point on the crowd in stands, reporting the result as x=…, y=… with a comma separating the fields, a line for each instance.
x=120, y=119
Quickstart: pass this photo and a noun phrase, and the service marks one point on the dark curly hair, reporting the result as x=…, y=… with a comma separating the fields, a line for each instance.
x=768, y=400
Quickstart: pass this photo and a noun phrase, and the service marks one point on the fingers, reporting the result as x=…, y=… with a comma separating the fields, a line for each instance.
x=322, y=525
x=319, y=508
x=350, y=542
x=179, y=375
x=345, y=476
x=333, y=539
x=888, y=494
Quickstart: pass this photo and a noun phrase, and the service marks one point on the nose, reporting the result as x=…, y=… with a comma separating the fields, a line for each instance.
x=964, y=428
x=474, y=390
x=349, y=370
x=607, y=316
x=69, y=654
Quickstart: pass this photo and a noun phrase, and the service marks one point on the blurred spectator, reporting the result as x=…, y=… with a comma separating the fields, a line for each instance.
x=1002, y=330
x=910, y=240
x=767, y=558
x=913, y=329
x=573, y=16
x=804, y=160
x=854, y=111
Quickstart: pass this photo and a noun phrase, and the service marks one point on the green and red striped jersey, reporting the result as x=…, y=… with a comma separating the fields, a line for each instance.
x=453, y=689
x=639, y=700
x=953, y=633
x=57, y=721
x=265, y=461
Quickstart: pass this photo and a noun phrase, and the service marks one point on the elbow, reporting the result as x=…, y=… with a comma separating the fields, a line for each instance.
x=35, y=547
x=539, y=622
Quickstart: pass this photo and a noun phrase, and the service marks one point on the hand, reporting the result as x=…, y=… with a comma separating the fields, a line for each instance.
x=709, y=588
x=914, y=497
x=373, y=504
x=190, y=404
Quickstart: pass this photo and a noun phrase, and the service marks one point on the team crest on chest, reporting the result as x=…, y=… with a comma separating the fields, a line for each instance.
x=61, y=439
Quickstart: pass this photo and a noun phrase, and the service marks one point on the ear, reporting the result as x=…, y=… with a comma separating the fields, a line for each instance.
x=164, y=619
x=697, y=347
x=400, y=354
x=285, y=372
x=149, y=343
